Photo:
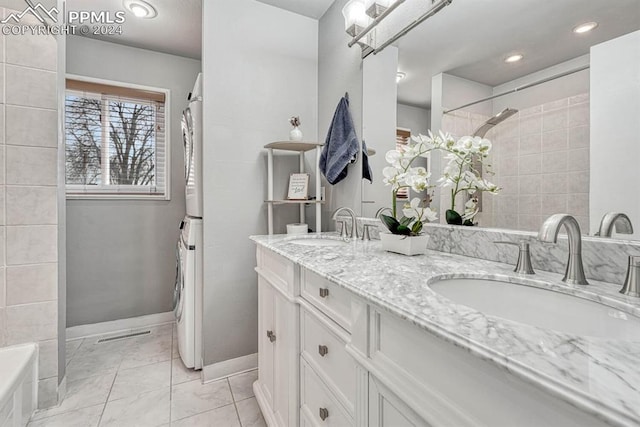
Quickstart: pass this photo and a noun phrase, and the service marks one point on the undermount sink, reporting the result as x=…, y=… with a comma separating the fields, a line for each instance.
x=317, y=242
x=540, y=307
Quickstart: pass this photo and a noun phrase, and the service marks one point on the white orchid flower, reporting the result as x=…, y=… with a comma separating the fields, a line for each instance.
x=470, y=209
x=420, y=213
x=393, y=157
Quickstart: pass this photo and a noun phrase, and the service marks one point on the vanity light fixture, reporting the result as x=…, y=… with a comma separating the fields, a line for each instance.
x=513, y=58
x=585, y=28
x=375, y=8
x=140, y=8
x=400, y=75
x=355, y=18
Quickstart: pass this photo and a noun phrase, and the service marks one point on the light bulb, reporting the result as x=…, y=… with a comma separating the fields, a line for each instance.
x=585, y=28
x=513, y=58
x=139, y=11
x=354, y=14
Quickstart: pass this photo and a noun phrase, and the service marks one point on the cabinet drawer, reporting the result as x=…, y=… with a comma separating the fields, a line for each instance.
x=328, y=297
x=317, y=402
x=325, y=350
x=278, y=270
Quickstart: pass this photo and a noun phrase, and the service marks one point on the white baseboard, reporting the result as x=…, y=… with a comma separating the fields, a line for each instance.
x=120, y=325
x=229, y=367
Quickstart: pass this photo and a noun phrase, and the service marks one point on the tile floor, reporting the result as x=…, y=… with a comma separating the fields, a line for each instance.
x=141, y=381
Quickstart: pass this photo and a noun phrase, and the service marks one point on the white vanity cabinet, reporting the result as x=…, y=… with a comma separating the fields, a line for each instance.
x=277, y=386
x=330, y=358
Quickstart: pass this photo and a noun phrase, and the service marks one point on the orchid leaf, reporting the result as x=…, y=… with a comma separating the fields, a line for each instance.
x=404, y=230
x=417, y=227
x=406, y=220
x=390, y=222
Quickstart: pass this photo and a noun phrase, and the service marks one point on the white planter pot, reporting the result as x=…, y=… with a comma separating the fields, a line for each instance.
x=406, y=245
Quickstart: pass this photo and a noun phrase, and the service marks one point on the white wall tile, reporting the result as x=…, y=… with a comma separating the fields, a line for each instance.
x=528, y=165
x=21, y=126
x=579, y=115
x=32, y=283
x=555, y=183
x=554, y=120
x=553, y=203
x=31, y=166
x=2, y=203
x=578, y=204
x=29, y=50
x=48, y=359
x=529, y=204
x=3, y=329
x=554, y=141
x=32, y=322
x=530, y=124
x=31, y=205
x=554, y=162
x=3, y=300
x=579, y=137
x=554, y=105
x=2, y=168
x=578, y=182
x=508, y=166
x=30, y=88
x=530, y=144
x=509, y=147
x=578, y=160
x=579, y=99
x=32, y=244
x=530, y=184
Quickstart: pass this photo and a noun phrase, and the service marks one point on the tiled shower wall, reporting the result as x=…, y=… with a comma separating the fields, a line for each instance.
x=28, y=204
x=540, y=158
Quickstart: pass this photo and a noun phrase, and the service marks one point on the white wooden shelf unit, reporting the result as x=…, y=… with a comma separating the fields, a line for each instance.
x=301, y=148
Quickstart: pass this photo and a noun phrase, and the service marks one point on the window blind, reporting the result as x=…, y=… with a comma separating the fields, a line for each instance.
x=115, y=140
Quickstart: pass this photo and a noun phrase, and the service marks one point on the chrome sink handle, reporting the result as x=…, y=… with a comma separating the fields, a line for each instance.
x=631, y=285
x=524, y=265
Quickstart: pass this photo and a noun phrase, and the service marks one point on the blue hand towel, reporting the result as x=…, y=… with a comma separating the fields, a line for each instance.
x=340, y=146
x=366, y=168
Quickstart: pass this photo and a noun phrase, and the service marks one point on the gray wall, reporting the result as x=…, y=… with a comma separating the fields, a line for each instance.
x=339, y=71
x=414, y=118
x=28, y=211
x=260, y=68
x=120, y=253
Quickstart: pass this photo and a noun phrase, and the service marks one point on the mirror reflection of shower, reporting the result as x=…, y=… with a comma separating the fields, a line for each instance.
x=493, y=121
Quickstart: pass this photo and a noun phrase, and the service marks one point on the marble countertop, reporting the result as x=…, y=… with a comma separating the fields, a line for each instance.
x=598, y=375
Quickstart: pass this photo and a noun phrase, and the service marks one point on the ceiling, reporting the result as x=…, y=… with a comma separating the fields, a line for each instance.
x=311, y=8
x=471, y=38
x=176, y=30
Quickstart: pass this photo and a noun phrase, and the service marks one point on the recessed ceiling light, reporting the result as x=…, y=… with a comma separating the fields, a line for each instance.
x=585, y=28
x=400, y=75
x=513, y=58
x=140, y=8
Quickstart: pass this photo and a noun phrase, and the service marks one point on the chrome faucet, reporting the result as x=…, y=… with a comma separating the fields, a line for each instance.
x=619, y=220
x=382, y=210
x=574, y=275
x=343, y=229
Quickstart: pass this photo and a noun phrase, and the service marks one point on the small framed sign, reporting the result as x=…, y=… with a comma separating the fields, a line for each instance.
x=298, y=186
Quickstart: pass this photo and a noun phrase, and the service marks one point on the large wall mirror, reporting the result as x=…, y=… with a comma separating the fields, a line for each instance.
x=572, y=142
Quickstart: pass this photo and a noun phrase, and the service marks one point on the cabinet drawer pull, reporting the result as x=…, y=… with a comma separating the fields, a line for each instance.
x=323, y=350
x=324, y=413
x=271, y=336
x=324, y=292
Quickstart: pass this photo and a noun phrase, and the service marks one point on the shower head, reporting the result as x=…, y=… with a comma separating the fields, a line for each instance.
x=498, y=118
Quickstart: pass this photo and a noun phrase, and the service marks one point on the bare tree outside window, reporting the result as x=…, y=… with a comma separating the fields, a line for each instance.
x=112, y=142
x=83, y=129
x=132, y=143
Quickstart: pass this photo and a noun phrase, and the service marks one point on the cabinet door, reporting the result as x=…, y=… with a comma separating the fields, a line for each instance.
x=387, y=410
x=285, y=363
x=265, y=343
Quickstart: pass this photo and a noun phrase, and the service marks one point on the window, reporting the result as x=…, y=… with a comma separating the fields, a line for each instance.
x=402, y=140
x=115, y=141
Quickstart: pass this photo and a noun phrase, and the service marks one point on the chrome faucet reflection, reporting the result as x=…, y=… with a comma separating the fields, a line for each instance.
x=383, y=210
x=343, y=223
x=621, y=222
x=574, y=274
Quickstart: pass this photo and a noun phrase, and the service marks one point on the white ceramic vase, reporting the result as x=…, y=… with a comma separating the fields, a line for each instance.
x=295, y=134
x=405, y=245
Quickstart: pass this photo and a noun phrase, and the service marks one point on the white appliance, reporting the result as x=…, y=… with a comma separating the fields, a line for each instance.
x=192, y=138
x=187, y=295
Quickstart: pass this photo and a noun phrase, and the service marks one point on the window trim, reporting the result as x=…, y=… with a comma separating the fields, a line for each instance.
x=167, y=145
